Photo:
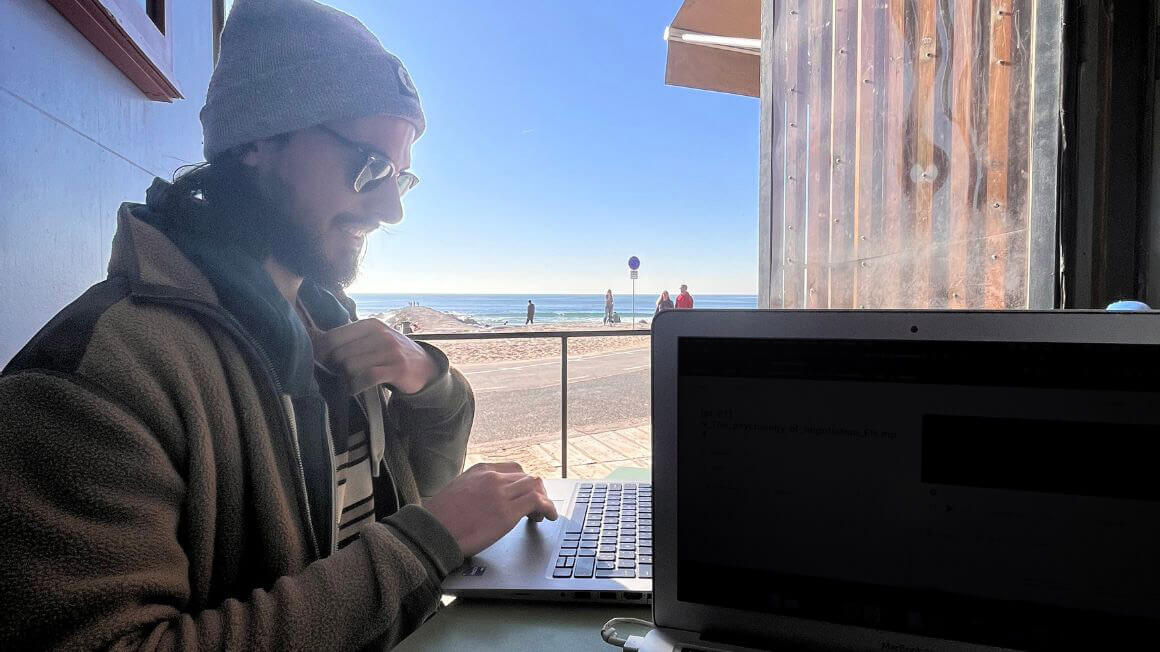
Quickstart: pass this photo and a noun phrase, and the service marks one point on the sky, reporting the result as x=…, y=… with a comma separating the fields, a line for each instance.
x=554, y=151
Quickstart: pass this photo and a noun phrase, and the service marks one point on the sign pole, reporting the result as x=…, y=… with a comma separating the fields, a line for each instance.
x=634, y=302
x=633, y=270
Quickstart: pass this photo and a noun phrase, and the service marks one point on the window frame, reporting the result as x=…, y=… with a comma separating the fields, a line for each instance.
x=130, y=39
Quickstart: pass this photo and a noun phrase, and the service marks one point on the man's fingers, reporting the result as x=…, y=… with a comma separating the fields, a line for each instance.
x=369, y=377
x=523, y=485
x=367, y=346
x=535, y=502
x=332, y=339
x=531, y=488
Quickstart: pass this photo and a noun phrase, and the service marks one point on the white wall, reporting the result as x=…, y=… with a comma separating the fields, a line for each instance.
x=77, y=138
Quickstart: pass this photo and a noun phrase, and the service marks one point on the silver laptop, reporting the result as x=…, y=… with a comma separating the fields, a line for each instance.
x=600, y=549
x=906, y=481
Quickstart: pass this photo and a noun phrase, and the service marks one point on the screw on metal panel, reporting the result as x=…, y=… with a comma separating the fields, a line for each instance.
x=1002, y=12
x=996, y=205
x=955, y=295
x=793, y=124
x=863, y=237
x=864, y=264
x=994, y=256
x=1003, y=62
x=836, y=220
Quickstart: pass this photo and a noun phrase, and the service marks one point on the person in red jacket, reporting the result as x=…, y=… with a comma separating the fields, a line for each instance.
x=684, y=299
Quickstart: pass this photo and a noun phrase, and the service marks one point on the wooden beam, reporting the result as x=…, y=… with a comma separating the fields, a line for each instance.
x=127, y=37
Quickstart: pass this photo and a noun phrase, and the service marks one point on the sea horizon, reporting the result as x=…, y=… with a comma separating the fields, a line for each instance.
x=500, y=308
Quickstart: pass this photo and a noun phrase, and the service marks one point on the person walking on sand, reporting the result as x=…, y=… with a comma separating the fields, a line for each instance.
x=608, y=307
x=663, y=302
x=531, y=313
x=684, y=299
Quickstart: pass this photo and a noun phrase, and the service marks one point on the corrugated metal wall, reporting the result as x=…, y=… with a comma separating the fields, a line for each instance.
x=900, y=153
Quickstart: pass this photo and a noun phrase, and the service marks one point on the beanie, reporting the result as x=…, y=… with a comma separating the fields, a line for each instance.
x=287, y=65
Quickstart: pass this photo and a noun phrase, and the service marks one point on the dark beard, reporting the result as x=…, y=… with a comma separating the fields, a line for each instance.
x=297, y=247
x=240, y=209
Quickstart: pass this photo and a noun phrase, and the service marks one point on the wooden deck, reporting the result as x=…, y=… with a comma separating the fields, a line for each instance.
x=590, y=455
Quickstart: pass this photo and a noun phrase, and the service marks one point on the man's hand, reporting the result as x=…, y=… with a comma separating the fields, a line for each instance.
x=486, y=501
x=368, y=353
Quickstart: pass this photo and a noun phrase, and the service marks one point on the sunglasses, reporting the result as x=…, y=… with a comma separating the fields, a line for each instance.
x=376, y=167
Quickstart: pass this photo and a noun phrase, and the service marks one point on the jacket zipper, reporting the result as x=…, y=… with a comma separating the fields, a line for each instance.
x=288, y=407
x=386, y=403
x=289, y=427
x=336, y=510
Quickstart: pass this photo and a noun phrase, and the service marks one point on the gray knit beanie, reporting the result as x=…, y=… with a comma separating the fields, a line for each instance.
x=287, y=65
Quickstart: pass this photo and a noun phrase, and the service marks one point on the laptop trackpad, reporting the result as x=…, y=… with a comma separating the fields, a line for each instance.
x=525, y=551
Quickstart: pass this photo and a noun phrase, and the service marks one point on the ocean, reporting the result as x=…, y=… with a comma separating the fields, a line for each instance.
x=495, y=309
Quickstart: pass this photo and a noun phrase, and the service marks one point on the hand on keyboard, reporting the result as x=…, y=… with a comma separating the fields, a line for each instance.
x=486, y=501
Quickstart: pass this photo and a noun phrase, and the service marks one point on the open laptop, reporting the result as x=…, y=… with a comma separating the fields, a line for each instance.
x=906, y=481
x=598, y=550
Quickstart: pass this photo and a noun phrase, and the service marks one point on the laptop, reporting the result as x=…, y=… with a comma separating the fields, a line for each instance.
x=906, y=481
x=600, y=549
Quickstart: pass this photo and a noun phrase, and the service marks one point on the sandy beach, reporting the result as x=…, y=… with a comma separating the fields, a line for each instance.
x=465, y=352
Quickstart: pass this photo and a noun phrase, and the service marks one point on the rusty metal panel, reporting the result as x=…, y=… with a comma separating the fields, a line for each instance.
x=907, y=129
x=796, y=144
x=843, y=198
x=819, y=163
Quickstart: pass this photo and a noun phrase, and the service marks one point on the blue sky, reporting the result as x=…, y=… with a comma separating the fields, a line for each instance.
x=554, y=151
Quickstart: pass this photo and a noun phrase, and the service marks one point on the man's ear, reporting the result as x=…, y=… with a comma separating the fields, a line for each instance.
x=260, y=151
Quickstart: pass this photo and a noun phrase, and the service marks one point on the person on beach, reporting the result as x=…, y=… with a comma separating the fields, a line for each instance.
x=684, y=299
x=531, y=313
x=199, y=452
x=663, y=302
x=608, y=303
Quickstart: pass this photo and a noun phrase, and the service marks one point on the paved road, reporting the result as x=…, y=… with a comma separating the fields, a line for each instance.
x=494, y=376
x=516, y=400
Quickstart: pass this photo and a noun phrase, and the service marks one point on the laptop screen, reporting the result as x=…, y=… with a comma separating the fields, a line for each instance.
x=1000, y=493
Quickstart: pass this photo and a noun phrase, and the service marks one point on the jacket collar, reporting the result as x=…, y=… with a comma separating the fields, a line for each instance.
x=152, y=262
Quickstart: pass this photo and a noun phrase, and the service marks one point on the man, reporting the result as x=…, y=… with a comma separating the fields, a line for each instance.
x=531, y=313
x=204, y=451
x=684, y=299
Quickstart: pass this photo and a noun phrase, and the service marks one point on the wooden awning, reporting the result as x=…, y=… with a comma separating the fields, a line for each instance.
x=715, y=45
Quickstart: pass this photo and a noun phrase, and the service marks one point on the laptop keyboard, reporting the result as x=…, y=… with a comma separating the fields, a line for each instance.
x=609, y=534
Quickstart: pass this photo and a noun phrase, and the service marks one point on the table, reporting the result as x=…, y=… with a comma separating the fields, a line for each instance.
x=477, y=624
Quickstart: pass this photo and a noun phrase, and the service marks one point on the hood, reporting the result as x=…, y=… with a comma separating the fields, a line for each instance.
x=178, y=263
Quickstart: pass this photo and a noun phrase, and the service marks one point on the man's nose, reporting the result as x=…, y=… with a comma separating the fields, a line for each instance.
x=384, y=203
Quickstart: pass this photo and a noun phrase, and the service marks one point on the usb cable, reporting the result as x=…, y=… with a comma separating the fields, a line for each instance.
x=632, y=642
